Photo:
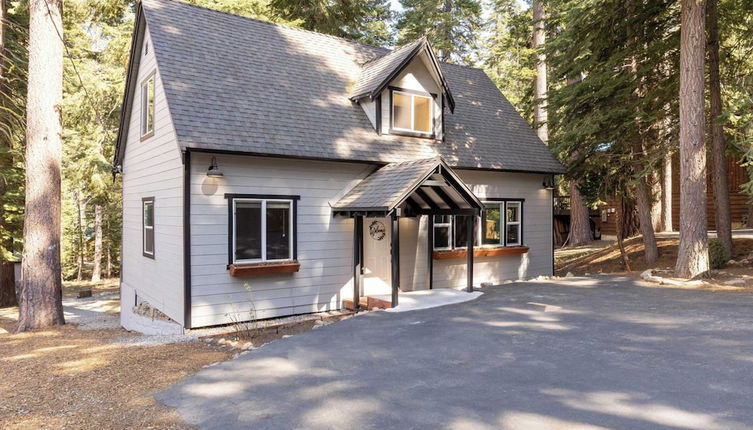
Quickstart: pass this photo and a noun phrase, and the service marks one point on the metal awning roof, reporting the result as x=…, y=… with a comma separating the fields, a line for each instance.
x=419, y=187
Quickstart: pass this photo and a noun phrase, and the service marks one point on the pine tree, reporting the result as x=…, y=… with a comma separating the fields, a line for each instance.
x=509, y=59
x=692, y=257
x=13, y=76
x=718, y=140
x=625, y=53
x=97, y=53
x=451, y=26
x=363, y=20
x=540, y=88
x=41, y=287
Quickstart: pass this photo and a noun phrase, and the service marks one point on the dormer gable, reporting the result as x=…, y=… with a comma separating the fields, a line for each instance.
x=405, y=92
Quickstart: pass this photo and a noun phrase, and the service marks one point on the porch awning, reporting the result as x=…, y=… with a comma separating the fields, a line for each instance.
x=419, y=187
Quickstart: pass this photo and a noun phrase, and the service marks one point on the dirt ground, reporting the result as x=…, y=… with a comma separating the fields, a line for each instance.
x=604, y=257
x=68, y=378
x=72, y=288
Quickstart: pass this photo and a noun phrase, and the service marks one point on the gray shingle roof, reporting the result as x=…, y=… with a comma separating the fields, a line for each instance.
x=238, y=84
x=376, y=71
x=385, y=188
x=395, y=183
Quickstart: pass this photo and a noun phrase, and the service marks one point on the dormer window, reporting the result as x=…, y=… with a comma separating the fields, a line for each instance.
x=412, y=113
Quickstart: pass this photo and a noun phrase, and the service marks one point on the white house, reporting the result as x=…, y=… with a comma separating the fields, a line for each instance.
x=272, y=171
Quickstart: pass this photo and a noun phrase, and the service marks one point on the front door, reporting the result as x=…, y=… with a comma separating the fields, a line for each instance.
x=376, y=255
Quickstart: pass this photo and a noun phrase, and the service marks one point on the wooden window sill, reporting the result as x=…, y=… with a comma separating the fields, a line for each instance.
x=146, y=136
x=265, y=268
x=480, y=252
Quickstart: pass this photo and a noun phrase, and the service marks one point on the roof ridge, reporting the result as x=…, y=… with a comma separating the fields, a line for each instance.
x=303, y=30
x=277, y=24
x=393, y=51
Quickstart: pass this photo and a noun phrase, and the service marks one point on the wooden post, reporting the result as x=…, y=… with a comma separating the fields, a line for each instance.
x=395, y=254
x=357, y=262
x=430, y=251
x=469, y=251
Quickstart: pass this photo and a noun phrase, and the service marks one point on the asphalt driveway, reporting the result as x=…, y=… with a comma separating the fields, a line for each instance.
x=602, y=352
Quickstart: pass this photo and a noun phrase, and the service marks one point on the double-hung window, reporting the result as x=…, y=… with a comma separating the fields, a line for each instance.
x=502, y=223
x=512, y=223
x=147, y=226
x=262, y=229
x=147, y=107
x=451, y=232
x=412, y=112
x=442, y=232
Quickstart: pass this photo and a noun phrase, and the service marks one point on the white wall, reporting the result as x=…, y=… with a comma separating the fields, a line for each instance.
x=153, y=168
x=451, y=273
x=415, y=77
x=325, y=243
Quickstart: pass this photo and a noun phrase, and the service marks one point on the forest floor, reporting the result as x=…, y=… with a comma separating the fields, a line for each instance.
x=66, y=377
x=604, y=257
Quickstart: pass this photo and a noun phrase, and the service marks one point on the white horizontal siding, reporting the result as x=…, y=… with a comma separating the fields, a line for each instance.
x=324, y=243
x=153, y=168
x=537, y=235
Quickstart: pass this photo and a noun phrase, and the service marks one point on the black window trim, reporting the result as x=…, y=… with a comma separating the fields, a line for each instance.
x=479, y=233
x=151, y=255
x=231, y=197
x=400, y=132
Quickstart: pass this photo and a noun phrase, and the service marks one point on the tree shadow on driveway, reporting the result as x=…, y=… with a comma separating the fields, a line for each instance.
x=602, y=352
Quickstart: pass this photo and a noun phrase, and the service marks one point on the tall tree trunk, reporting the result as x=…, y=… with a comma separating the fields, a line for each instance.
x=7, y=288
x=666, y=193
x=640, y=160
x=620, y=223
x=718, y=144
x=81, y=209
x=656, y=221
x=108, y=269
x=643, y=200
x=41, y=290
x=580, y=226
x=540, y=89
x=693, y=255
x=96, y=271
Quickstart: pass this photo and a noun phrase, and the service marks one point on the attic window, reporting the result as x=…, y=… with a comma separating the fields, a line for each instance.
x=147, y=107
x=411, y=112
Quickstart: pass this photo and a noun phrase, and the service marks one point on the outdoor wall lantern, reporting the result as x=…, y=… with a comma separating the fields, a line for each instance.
x=548, y=182
x=214, y=170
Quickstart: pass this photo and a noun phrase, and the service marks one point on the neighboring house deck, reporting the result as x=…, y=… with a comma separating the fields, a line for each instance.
x=271, y=171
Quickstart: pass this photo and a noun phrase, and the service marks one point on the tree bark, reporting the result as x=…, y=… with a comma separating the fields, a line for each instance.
x=643, y=198
x=620, y=224
x=666, y=193
x=693, y=256
x=7, y=287
x=540, y=88
x=108, y=269
x=718, y=144
x=580, y=226
x=81, y=209
x=640, y=160
x=656, y=221
x=97, y=269
x=41, y=291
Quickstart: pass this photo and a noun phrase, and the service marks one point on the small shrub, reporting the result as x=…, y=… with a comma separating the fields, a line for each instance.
x=718, y=256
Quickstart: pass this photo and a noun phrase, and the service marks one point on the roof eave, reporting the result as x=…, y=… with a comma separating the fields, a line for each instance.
x=137, y=39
